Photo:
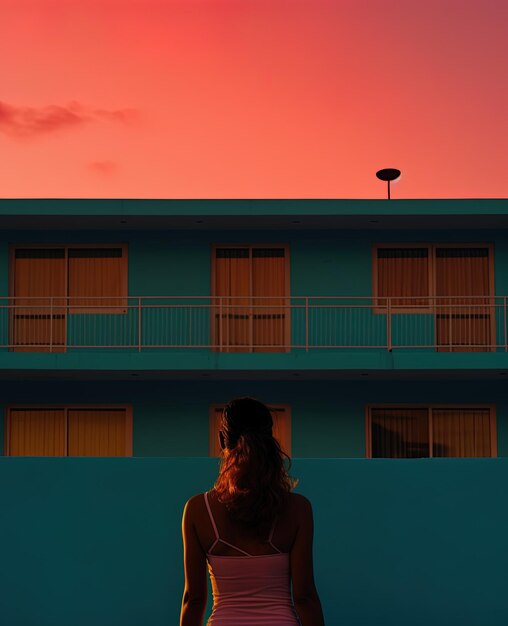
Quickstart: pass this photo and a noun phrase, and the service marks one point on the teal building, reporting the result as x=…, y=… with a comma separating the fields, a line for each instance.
x=375, y=330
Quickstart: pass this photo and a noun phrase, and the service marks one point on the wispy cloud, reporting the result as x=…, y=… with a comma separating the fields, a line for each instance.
x=122, y=115
x=103, y=168
x=22, y=122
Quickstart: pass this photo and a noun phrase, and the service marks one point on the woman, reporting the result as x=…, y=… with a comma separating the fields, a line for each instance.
x=270, y=530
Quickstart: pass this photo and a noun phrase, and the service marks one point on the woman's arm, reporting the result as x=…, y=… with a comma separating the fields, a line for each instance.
x=192, y=614
x=305, y=595
x=195, y=591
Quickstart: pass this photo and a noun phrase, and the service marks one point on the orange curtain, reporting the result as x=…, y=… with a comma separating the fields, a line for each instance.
x=96, y=272
x=36, y=432
x=461, y=433
x=39, y=272
x=98, y=432
x=269, y=316
x=399, y=433
x=463, y=272
x=404, y=432
x=252, y=278
x=232, y=278
x=403, y=272
x=87, y=432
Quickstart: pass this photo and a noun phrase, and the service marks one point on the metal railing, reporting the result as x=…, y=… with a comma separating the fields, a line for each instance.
x=240, y=323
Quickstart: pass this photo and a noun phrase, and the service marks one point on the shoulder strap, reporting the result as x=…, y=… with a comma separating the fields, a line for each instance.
x=227, y=543
x=272, y=531
x=217, y=532
x=211, y=516
x=271, y=535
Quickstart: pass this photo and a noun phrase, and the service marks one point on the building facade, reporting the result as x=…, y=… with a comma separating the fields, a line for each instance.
x=371, y=328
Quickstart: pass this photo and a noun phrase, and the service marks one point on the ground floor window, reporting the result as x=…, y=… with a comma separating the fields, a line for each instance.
x=281, y=415
x=68, y=431
x=431, y=431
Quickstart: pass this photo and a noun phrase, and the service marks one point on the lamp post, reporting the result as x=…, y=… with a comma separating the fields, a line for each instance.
x=388, y=175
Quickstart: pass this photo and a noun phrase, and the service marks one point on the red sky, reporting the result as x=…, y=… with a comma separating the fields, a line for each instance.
x=253, y=98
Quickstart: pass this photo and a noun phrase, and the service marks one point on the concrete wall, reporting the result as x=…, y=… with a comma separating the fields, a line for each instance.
x=407, y=541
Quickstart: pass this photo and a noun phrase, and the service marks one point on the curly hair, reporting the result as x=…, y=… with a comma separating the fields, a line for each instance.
x=252, y=480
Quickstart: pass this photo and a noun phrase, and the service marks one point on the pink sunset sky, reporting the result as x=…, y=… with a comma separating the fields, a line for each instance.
x=253, y=98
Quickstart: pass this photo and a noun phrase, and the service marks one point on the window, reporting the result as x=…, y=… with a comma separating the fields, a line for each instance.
x=95, y=273
x=68, y=431
x=281, y=427
x=453, y=282
x=250, y=310
x=51, y=282
x=432, y=431
x=402, y=272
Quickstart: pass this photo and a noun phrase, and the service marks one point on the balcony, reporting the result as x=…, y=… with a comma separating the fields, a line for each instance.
x=254, y=324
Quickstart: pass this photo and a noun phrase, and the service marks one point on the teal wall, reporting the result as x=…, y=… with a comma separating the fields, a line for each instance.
x=419, y=541
x=321, y=262
x=396, y=542
x=170, y=418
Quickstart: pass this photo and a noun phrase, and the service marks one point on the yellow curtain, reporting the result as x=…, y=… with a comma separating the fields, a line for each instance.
x=461, y=433
x=98, y=432
x=38, y=272
x=36, y=432
x=88, y=432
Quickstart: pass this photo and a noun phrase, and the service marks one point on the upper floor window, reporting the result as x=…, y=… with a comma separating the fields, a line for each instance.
x=431, y=431
x=453, y=282
x=48, y=283
x=250, y=310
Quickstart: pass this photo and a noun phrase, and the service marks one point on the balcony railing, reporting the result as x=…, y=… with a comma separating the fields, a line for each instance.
x=244, y=324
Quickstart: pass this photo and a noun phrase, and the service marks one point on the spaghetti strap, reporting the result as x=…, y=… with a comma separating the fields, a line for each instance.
x=271, y=535
x=235, y=547
x=272, y=531
x=211, y=516
x=213, y=523
x=217, y=538
x=254, y=589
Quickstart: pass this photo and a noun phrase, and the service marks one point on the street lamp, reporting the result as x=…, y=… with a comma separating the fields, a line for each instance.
x=388, y=175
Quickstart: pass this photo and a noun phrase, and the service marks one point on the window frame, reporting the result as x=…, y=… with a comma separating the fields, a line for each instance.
x=121, y=309
x=287, y=286
x=377, y=309
x=65, y=407
x=429, y=407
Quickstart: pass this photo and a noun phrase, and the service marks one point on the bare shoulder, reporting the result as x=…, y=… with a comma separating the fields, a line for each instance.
x=194, y=503
x=300, y=499
x=298, y=503
x=301, y=503
x=193, y=499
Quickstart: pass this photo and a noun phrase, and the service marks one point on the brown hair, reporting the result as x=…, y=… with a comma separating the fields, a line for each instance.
x=252, y=480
